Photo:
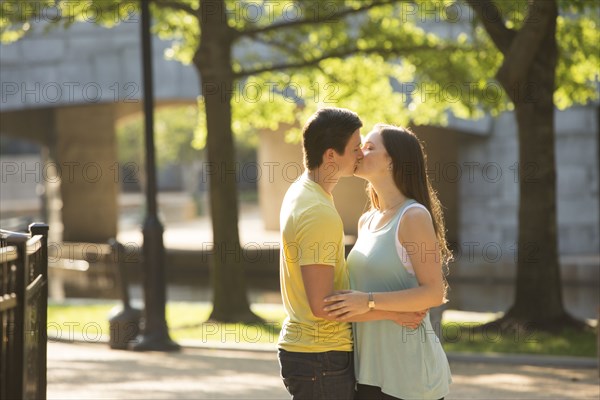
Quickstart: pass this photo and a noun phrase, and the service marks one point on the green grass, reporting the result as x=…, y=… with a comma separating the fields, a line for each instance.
x=185, y=321
x=188, y=321
x=248, y=196
x=460, y=338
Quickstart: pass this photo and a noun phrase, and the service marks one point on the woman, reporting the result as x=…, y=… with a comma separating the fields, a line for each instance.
x=396, y=265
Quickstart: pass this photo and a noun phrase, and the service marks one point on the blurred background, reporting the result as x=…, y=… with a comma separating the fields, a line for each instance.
x=71, y=125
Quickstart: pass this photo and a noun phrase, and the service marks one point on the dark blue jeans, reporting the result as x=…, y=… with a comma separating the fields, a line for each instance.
x=318, y=376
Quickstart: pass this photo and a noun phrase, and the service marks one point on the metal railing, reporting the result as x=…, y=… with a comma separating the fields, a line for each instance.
x=23, y=312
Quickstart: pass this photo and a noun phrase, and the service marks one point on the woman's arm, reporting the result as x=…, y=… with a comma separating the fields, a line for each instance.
x=409, y=319
x=418, y=237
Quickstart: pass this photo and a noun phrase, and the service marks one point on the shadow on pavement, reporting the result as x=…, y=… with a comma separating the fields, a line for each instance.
x=92, y=371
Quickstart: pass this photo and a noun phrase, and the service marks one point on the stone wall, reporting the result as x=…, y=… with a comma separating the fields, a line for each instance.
x=577, y=169
x=489, y=195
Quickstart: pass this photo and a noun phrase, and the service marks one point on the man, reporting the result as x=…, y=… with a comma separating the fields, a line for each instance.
x=315, y=351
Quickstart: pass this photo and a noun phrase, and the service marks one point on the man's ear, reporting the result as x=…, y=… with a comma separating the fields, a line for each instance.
x=329, y=155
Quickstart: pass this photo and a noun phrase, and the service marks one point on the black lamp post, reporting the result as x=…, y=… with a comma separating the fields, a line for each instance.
x=155, y=333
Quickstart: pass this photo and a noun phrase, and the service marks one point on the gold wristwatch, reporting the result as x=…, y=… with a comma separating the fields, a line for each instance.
x=371, y=301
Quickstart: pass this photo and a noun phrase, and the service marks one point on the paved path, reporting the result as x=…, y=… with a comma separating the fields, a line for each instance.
x=197, y=234
x=92, y=371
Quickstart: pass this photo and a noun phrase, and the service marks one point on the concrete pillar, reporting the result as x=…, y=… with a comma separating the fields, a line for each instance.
x=281, y=164
x=85, y=150
x=351, y=202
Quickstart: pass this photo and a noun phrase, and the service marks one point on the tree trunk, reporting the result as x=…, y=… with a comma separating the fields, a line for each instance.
x=538, y=301
x=213, y=61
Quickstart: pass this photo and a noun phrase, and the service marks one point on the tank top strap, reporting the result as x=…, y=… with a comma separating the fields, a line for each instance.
x=394, y=222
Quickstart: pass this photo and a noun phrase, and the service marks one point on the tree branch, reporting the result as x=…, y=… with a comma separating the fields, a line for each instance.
x=281, y=46
x=526, y=44
x=308, y=21
x=339, y=54
x=176, y=5
x=491, y=18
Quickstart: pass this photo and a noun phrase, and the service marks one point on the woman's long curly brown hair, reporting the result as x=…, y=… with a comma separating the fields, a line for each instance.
x=409, y=170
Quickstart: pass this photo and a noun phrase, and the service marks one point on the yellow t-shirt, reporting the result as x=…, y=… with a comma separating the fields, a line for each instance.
x=311, y=233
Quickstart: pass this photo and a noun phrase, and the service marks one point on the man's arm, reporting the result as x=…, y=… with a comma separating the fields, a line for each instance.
x=318, y=284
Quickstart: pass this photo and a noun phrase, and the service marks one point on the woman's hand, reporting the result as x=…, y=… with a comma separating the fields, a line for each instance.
x=410, y=320
x=347, y=303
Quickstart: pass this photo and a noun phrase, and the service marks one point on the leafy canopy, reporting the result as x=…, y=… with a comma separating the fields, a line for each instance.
x=389, y=60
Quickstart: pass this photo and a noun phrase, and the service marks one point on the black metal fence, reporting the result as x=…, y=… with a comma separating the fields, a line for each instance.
x=23, y=312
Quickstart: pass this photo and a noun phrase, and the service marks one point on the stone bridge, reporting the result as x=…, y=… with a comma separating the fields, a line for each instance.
x=66, y=90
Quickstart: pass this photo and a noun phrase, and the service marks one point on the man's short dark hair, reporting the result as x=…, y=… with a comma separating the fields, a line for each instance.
x=328, y=128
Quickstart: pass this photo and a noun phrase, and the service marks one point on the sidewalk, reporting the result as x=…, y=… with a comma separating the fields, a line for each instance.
x=93, y=371
x=197, y=234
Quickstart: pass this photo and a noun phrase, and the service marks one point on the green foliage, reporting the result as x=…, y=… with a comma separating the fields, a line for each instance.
x=19, y=17
x=396, y=61
x=179, y=136
x=578, y=71
x=382, y=64
x=173, y=135
x=179, y=26
x=243, y=126
x=395, y=64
